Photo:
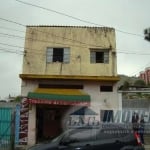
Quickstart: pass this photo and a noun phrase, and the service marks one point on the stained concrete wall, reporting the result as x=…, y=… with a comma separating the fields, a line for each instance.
x=79, y=39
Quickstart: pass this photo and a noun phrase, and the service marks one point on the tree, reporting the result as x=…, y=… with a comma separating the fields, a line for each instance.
x=125, y=85
x=17, y=99
x=139, y=83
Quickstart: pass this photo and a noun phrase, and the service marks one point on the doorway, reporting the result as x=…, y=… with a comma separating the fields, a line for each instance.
x=49, y=121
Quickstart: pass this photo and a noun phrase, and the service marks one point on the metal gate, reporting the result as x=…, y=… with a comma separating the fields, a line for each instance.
x=6, y=129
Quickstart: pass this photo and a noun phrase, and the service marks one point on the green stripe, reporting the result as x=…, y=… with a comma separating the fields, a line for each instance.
x=74, y=98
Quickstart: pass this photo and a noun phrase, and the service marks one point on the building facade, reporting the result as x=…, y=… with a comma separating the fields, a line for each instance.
x=145, y=75
x=66, y=68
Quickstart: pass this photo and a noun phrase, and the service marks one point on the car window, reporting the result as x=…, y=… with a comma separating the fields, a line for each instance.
x=109, y=133
x=79, y=135
x=105, y=134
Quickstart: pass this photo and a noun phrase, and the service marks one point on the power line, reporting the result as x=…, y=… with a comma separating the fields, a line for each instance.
x=75, y=18
x=121, y=52
x=48, y=33
x=12, y=22
x=12, y=35
x=118, y=51
x=10, y=51
x=35, y=50
x=16, y=36
x=11, y=29
x=11, y=45
x=39, y=53
x=142, y=68
x=47, y=41
x=132, y=53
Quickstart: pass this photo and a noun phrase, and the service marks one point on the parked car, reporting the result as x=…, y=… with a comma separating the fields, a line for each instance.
x=94, y=138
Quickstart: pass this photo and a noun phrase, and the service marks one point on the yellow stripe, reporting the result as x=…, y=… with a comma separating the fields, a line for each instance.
x=90, y=78
x=60, y=91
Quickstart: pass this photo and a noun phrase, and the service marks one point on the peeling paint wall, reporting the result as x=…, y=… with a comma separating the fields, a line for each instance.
x=79, y=39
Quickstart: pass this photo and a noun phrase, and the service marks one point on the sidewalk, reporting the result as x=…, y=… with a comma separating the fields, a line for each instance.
x=147, y=147
x=147, y=142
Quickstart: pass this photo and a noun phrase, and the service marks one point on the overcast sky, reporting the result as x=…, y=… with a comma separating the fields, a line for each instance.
x=126, y=16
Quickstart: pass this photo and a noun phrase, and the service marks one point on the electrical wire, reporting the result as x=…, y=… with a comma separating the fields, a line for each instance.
x=11, y=29
x=49, y=33
x=10, y=51
x=66, y=38
x=132, y=53
x=40, y=51
x=42, y=54
x=60, y=37
x=11, y=45
x=56, y=36
x=22, y=38
x=142, y=68
x=12, y=35
x=47, y=41
x=75, y=18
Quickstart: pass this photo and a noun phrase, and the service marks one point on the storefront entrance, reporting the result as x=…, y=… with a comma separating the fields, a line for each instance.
x=49, y=121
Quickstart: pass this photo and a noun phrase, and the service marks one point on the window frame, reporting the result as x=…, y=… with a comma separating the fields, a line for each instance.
x=103, y=53
x=65, y=56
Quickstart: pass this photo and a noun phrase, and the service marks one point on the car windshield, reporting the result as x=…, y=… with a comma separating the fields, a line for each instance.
x=60, y=136
x=57, y=138
x=66, y=133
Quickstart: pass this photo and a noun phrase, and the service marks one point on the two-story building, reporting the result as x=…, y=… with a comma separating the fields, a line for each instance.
x=65, y=68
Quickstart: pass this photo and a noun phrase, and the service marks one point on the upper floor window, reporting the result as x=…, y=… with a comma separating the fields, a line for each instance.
x=58, y=55
x=99, y=56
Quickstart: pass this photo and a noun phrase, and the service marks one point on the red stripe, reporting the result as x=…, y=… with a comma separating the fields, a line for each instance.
x=55, y=102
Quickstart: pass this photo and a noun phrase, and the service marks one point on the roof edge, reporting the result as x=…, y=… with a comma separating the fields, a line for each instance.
x=68, y=26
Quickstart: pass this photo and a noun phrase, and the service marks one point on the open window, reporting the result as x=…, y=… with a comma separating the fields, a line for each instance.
x=99, y=56
x=58, y=55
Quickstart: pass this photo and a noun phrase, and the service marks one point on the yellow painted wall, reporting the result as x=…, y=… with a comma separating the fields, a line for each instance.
x=79, y=39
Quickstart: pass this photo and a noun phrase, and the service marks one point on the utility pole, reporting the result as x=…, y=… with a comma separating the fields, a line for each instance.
x=147, y=34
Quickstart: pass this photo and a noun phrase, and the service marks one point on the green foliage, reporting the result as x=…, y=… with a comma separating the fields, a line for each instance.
x=18, y=99
x=139, y=83
x=125, y=85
